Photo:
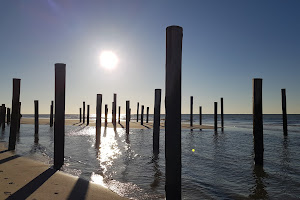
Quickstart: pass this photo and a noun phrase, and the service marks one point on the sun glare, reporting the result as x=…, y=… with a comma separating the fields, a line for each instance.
x=108, y=59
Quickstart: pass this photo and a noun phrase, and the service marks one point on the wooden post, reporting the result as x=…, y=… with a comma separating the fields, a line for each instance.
x=191, y=113
x=147, y=117
x=8, y=116
x=284, y=115
x=222, y=114
x=3, y=113
x=127, y=116
x=98, y=116
x=36, y=116
x=79, y=114
x=156, y=123
x=83, y=113
x=200, y=116
x=51, y=114
x=106, y=111
x=115, y=110
x=119, y=115
x=112, y=113
x=15, y=114
x=59, y=125
x=1, y=116
x=173, y=112
x=142, y=115
x=216, y=116
x=137, y=112
x=258, y=122
x=88, y=115
x=19, y=116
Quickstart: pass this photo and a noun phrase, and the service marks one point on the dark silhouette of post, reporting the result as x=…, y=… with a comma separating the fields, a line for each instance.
x=51, y=114
x=119, y=121
x=98, y=116
x=88, y=115
x=284, y=115
x=191, y=113
x=112, y=113
x=258, y=122
x=156, y=122
x=15, y=114
x=3, y=113
x=115, y=110
x=59, y=125
x=79, y=114
x=83, y=113
x=216, y=116
x=127, y=116
x=137, y=112
x=1, y=116
x=173, y=112
x=200, y=116
x=142, y=115
x=147, y=116
x=36, y=116
x=19, y=116
x=222, y=114
x=8, y=116
x=106, y=111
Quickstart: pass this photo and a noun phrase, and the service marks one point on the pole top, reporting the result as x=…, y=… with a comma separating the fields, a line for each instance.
x=257, y=79
x=174, y=27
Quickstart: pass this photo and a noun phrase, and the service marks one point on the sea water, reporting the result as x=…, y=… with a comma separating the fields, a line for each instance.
x=220, y=167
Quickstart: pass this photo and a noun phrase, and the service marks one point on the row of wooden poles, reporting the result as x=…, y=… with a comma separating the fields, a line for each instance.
x=174, y=36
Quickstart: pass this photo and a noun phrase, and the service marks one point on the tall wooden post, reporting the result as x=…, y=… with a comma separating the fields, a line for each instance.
x=51, y=114
x=119, y=121
x=216, y=116
x=8, y=116
x=258, y=122
x=15, y=114
x=156, y=123
x=79, y=114
x=115, y=110
x=88, y=115
x=147, y=116
x=98, y=116
x=142, y=115
x=191, y=112
x=284, y=115
x=137, y=112
x=19, y=116
x=173, y=112
x=36, y=116
x=200, y=116
x=59, y=125
x=3, y=113
x=127, y=116
x=222, y=114
x=1, y=116
x=83, y=112
x=106, y=111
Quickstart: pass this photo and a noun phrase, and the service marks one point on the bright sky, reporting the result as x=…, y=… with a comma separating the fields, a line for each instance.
x=225, y=45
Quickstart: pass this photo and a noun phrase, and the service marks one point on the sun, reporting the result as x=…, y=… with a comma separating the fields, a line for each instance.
x=108, y=59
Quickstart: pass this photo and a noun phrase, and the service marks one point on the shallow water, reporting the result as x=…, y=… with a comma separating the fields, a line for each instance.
x=221, y=167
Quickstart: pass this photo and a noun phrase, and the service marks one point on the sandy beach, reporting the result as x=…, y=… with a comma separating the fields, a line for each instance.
x=133, y=125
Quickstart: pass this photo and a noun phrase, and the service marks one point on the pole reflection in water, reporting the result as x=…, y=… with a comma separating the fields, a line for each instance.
x=259, y=190
x=157, y=172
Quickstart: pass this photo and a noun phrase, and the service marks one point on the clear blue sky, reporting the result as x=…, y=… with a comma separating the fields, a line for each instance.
x=225, y=45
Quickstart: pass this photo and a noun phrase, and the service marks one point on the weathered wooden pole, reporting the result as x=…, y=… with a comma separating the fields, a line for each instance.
x=8, y=116
x=258, y=122
x=106, y=111
x=51, y=114
x=142, y=115
x=137, y=112
x=222, y=114
x=88, y=115
x=15, y=114
x=59, y=125
x=79, y=114
x=147, y=116
x=191, y=112
x=127, y=116
x=3, y=113
x=19, y=116
x=115, y=110
x=119, y=121
x=98, y=116
x=156, y=122
x=216, y=116
x=1, y=116
x=36, y=116
x=284, y=115
x=200, y=116
x=173, y=112
x=83, y=113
